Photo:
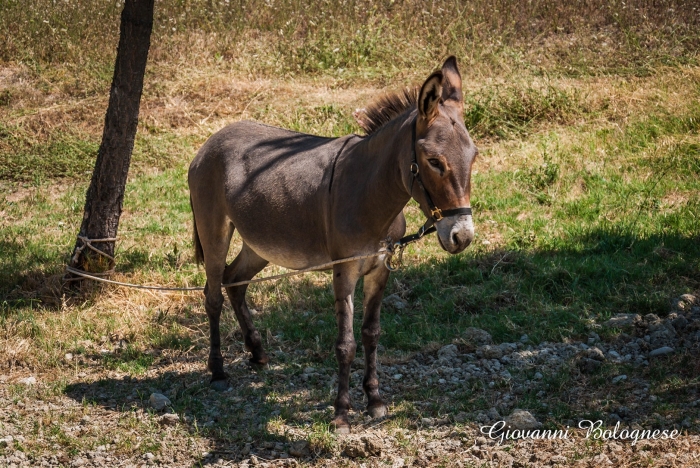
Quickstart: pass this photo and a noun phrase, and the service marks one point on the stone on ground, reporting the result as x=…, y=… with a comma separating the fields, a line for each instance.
x=395, y=302
x=522, y=420
x=661, y=351
x=170, y=419
x=158, y=401
x=363, y=447
x=623, y=321
x=477, y=336
x=299, y=448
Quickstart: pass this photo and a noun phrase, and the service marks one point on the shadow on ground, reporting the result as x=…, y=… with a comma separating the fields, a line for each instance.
x=265, y=411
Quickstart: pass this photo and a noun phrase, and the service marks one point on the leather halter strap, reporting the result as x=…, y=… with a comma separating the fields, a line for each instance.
x=436, y=214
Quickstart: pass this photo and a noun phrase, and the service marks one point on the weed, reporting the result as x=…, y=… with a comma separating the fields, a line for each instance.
x=172, y=338
x=538, y=180
x=322, y=439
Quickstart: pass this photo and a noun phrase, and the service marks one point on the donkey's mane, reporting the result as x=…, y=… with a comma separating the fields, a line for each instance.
x=385, y=109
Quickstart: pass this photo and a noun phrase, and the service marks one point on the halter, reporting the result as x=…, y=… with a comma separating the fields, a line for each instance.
x=436, y=214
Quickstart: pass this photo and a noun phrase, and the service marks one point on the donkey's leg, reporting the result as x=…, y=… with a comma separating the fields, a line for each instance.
x=215, y=243
x=246, y=265
x=375, y=283
x=345, y=278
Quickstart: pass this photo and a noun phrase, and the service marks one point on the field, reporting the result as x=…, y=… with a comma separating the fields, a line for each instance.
x=586, y=206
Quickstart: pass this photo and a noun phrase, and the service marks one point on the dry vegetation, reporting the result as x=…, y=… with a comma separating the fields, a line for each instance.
x=587, y=117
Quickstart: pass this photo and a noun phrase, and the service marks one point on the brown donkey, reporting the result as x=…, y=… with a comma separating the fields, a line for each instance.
x=300, y=200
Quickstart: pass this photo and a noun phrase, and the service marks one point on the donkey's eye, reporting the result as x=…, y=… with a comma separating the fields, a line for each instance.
x=435, y=163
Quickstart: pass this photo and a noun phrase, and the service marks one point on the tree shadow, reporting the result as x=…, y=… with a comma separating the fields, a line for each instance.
x=27, y=278
x=239, y=422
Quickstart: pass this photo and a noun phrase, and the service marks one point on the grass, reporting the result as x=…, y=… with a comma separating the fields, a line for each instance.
x=131, y=361
x=511, y=110
x=62, y=155
x=573, y=236
x=365, y=38
x=585, y=194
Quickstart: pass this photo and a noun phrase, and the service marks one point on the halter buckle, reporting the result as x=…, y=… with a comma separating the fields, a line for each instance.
x=436, y=214
x=414, y=168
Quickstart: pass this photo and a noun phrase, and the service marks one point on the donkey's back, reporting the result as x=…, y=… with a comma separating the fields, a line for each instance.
x=259, y=178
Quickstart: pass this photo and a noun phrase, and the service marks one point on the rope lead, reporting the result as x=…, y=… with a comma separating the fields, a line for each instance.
x=389, y=249
x=323, y=266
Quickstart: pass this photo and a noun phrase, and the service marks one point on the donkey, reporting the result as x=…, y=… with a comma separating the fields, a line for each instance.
x=301, y=200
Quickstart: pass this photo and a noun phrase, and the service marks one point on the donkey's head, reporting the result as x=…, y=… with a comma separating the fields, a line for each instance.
x=444, y=154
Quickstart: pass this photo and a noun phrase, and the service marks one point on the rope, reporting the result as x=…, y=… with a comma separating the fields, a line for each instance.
x=77, y=272
x=88, y=243
x=389, y=250
x=323, y=266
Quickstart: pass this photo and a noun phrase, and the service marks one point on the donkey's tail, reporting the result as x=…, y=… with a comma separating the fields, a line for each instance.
x=198, y=252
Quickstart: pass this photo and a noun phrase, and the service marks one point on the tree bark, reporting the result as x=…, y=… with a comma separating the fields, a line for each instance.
x=103, y=202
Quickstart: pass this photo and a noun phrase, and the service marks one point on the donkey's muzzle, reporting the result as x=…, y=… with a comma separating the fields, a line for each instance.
x=455, y=233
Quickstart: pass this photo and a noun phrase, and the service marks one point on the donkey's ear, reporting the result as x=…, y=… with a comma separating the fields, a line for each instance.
x=429, y=97
x=452, y=81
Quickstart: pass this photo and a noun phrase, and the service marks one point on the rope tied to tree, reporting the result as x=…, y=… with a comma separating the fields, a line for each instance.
x=87, y=243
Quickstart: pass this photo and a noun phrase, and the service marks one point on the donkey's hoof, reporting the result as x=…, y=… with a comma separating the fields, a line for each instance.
x=340, y=425
x=259, y=359
x=258, y=364
x=219, y=385
x=378, y=411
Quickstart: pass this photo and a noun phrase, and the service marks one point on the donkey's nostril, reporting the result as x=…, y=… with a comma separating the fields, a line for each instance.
x=461, y=238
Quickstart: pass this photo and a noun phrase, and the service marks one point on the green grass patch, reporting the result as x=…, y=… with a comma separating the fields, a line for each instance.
x=131, y=360
x=26, y=158
x=329, y=120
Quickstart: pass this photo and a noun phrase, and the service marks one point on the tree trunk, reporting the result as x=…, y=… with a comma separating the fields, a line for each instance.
x=103, y=202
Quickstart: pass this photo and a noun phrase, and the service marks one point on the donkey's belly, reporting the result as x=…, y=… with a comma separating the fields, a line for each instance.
x=289, y=230
x=287, y=253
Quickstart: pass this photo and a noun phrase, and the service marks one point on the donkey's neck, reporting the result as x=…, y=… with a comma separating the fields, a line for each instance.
x=377, y=166
x=390, y=151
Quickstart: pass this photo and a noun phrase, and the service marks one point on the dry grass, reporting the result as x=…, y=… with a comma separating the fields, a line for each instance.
x=289, y=36
x=195, y=102
x=561, y=96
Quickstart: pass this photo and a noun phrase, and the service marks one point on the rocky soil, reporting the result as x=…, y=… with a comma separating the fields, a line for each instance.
x=636, y=372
